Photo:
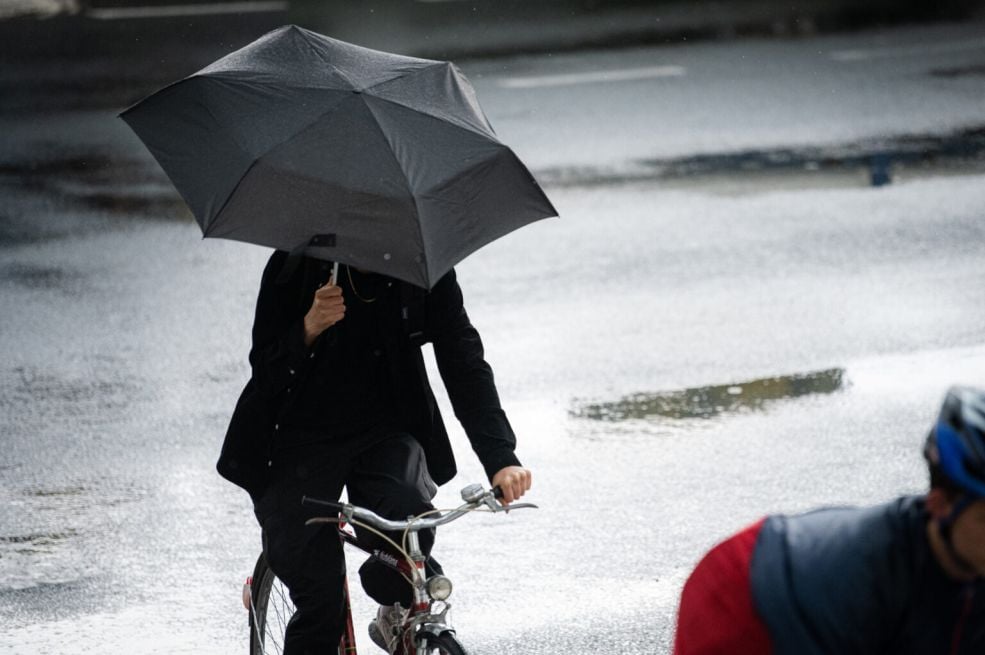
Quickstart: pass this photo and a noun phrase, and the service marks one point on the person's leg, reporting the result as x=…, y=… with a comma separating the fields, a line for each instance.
x=391, y=479
x=716, y=614
x=307, y=559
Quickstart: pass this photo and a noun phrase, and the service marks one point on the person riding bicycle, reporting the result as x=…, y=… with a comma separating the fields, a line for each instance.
x=339, y=397
x=903, y=578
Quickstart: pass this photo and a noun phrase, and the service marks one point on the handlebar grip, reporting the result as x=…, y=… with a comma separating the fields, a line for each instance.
x=308, y=500
x=497, y=492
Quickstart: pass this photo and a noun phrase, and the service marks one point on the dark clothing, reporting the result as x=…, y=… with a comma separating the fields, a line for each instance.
x=356, y=411
x=407, y=316
x=348, y=389
x=862, y=581
x=383, y=472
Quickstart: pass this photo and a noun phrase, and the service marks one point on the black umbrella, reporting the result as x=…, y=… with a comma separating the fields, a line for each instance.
x=305, y=143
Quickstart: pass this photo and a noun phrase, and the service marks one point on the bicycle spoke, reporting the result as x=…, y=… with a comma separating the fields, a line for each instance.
x=285, y=601
x=279, y=611
x=278, y=647
x=282, y=607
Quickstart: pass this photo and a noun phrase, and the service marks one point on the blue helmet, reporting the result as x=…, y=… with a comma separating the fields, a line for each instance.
x=956, y=444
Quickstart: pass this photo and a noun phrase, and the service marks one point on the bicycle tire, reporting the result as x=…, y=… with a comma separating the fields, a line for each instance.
x=442, y=644
x=271, y=609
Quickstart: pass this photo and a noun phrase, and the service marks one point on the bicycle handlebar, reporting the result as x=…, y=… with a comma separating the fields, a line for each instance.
x=473, y=494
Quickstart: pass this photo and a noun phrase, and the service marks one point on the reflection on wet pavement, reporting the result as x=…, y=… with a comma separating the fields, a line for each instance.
x=93, y=185
x=68, y=165
x=53, y=535
x=35, y=276
x=29, y=543
x=128, y=204
x=707, y=402
x=44, y=493
x=34, y=387
x=921, y=155
x=959, y=71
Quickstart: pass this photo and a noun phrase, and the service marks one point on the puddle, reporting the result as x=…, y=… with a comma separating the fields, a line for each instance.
x=708, y=402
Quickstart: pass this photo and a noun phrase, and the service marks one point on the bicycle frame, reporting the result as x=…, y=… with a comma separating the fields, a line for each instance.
x=425, y=622
x=421, y=606
x=348, y=643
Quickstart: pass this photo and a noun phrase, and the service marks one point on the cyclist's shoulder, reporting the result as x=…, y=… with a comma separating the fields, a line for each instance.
x=832, y=576
x=851, y=530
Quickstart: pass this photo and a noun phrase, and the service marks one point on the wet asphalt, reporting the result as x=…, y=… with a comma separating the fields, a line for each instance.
x=728, y=319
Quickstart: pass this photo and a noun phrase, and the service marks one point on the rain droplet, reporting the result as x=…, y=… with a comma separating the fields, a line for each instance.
x=386, y=256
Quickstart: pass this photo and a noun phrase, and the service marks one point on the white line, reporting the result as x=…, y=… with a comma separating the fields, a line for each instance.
x=592, y=78
x=878, y=53
x=168, y=11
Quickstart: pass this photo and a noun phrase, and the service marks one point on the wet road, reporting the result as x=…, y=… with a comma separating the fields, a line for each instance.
x=678, y=355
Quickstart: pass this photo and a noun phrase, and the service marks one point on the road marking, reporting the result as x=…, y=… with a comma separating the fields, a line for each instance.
x=168, y=11
x=907, y=51
x=591, y=78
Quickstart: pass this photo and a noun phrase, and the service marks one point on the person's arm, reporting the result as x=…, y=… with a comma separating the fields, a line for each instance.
x=282, y=335
x=471, y=388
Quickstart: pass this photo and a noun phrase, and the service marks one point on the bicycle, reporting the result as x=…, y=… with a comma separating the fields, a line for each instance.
x=425, y=629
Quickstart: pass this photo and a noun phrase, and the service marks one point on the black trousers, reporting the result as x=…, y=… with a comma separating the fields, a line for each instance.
x=384, y=472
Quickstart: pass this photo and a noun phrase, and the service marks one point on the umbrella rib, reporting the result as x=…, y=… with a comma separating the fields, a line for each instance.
x=219, y=214
x=210, y=231
x=349, y=80
x=491, y=137
x=404, y=74
x=267, y=152
x=207, y=231
x=215, y=219
x=335, y=68
x=417, y=211
x=462, y=125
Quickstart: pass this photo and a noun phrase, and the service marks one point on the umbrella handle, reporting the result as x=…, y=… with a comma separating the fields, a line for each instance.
x=335, y=274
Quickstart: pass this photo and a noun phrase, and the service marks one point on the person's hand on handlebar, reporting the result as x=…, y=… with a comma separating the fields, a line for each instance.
x=514, y=482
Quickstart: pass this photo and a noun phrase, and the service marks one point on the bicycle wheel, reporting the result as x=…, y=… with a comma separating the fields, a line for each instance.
x=444, y=644
x=271, y=610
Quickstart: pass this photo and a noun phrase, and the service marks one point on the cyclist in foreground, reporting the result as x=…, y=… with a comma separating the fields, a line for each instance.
x=339, y=396
x=903, y=578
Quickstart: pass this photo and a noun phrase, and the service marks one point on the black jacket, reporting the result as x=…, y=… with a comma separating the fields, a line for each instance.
x=281, y=362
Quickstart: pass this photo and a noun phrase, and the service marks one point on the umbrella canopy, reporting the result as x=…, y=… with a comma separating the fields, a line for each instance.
x=304, y=143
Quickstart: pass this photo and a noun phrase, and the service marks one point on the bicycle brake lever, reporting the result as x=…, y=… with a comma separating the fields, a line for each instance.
x=345, y=509
x=519, y=506
x=496, y=507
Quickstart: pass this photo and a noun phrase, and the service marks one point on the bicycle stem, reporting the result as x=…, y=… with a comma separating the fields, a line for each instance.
x=421, y=599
